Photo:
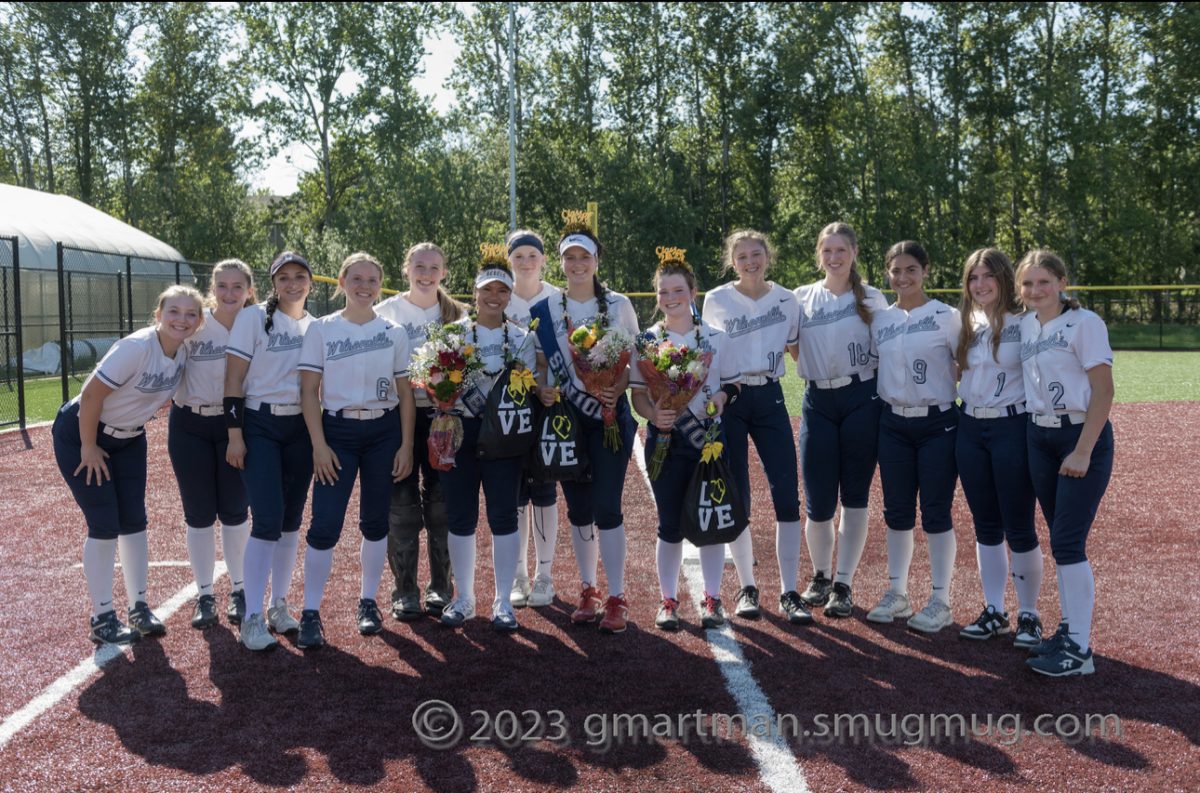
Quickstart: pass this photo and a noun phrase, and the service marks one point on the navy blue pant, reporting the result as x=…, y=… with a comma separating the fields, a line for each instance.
x=501, y=480
x=541, y=494
x=209, y=487
x=1069, y=504
x=839, y=437
x=118, y=505
x=278, y=470
x=993, y=466
x=599, y=501
x=916, y=457
x=669, y=489
x=759, y=413
x=365, y=448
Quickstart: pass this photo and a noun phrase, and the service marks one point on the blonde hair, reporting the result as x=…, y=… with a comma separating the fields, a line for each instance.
x=839, y=229
x=358, y=257
x=179, y=290
x=741, y=235
x=210, y=300
x=1001, y=268
x=451, y=308
x=1050, y=262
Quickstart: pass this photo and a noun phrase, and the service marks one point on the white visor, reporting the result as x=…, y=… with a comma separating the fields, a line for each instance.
x=577, y=241
x=493, y=274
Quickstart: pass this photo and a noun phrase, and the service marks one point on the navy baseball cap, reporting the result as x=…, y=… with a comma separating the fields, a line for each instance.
x=289, y=257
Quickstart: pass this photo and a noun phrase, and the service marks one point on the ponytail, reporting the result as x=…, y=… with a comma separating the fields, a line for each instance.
x=860, y=296
x=452, y=310
x=272, y=304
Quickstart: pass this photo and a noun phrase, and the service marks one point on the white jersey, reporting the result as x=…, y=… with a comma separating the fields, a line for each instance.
x=916, y=354
x=993, y=382
x=142, y=378
x=1056, y=357
x=620, y=314
x=489, y=345
x=519, y=308
x=358, y=364
x=203, y=380
x=722, y=370
x=416, y=322
x=758, y=329
x=272, y=376
x=834, y=341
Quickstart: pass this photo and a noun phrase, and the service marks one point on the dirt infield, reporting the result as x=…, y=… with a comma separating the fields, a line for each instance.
x=195, y=711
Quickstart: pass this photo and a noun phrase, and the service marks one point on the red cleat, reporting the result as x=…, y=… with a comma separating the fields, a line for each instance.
x=616, y=612
x=589, y=606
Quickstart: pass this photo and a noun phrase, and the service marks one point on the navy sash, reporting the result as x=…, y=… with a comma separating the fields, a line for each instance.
x=691, y=428
x=584, y=402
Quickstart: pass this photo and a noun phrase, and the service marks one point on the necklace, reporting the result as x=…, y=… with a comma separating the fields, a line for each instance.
x=504, y=351
x=601, y=311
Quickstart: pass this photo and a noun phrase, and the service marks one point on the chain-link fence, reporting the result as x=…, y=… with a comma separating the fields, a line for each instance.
x=12, y=380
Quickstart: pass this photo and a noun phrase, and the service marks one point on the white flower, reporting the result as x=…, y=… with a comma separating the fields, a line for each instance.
x=697, y=369
x=674, y=373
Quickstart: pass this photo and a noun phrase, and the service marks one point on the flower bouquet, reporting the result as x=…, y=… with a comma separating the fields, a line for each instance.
x=601, y=355
x=673, y=375
x=444, y=366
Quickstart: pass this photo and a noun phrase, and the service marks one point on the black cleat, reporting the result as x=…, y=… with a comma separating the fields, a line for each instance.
x=142, y=620
x=312, y=634
x=205, y=613
x=370, y=621
x=819, y=589
x=746, y=603
x=107, y=629
x=840, y=603
x=792, y=606
x=236, y=612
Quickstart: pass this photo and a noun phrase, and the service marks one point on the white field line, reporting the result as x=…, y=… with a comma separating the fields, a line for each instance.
x=54, y=693
x=777, y=764
x=171, y=563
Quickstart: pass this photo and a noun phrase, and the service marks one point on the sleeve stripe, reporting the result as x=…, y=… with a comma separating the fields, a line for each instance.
x=311, y=367
x=239, y=353
x=108, y=380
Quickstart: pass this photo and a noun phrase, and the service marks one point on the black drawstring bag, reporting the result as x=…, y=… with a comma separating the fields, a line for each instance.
x=713, y=510
x=509, y=423
x=560, y=454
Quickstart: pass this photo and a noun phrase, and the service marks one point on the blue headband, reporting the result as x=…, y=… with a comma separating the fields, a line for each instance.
x=526, y=239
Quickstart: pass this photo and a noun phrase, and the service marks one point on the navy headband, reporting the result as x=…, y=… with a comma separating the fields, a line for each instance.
x=526, y=239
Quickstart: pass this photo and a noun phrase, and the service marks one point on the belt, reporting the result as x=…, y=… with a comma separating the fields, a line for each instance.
x=995, y=413
x=758, y=379
x=291, y=409
x=117, y=432
x=837, y=382
x=359, y=414
x=1043, y=420
x=204, y=410
x=919, y=411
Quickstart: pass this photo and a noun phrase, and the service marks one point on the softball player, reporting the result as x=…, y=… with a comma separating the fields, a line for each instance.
x=209, y=486
x=917, y=338
x=526, y=257
x=675, y=286
x=497, y=341
x=418, y=501
x=1067, y=363
x=839, y=430
x=268, y=441
x=353, y=376
x=593, y=508
x=761, y=321
x=990, y=448
x=100, y=448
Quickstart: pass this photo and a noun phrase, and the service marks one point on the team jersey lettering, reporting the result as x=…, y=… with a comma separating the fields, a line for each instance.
x=740, y=326
x=924, y=325
x=206, y=350
x=887, y=334
x=823, y=317
x=1056, y=340
x=153, y=382
x=344, y=348
x=283, y=341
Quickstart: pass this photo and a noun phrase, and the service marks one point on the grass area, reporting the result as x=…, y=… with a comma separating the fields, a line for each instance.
x=1140, y=377
x=1150, y=337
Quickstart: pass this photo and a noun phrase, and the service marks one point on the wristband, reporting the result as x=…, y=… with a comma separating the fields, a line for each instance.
x=235, y=408
x=732, y=392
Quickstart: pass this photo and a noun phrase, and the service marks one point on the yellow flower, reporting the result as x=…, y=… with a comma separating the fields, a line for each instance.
x=712, y=450
x=468, y=351
x=534, y=324
x=456, y=377
x=590, y=341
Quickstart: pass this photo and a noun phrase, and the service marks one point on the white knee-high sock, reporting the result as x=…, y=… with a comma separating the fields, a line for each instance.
x=819, y=536
x=1080, y=596
x=504, y=558
x=524, y=518
x=943, y=547
x=899, y=558
x=669, y=558
x=852, y=539
x=233, y=548
x=1062, y=599
x=1027, y=569
x=202, y=554
x=283, y=564
x=135, y=565
x=742, y=550
x=317, y=566
x=788, y=536
x=993, y=573
x=462, y=563
x=545, y=536
x=257, y=569
x=712, y=565
x=587, y=552
x=99, y=558
x=372, y=555
x=612, y=551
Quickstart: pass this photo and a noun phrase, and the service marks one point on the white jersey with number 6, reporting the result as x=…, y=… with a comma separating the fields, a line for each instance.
x=993, y=382
x=758, y=330
x=916, y=354
x=1056, y=357
x=358, y=364
x=834, y=341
